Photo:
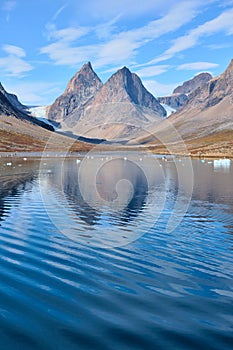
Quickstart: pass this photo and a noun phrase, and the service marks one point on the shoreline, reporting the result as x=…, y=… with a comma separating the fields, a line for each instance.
x=40, y=154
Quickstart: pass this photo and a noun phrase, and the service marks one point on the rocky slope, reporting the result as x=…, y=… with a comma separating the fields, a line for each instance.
x=175, y=100
x=22, y=132
x=80, y=89
x=181, y=93
x=13, y=100
x=189, y=86
x=18, y=135
x=115, y=110
x=205, y=122
x=9, y=109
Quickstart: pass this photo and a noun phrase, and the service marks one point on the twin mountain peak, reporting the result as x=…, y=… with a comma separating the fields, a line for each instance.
x=91, y=108
x=121, y=107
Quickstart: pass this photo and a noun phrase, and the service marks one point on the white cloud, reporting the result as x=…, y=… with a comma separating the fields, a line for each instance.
x=58, y=12
x=197, y=66
x=152, y=71
x=115, y=51
x=67, y=34
x=105, y=9
x=13, y=64
x=157, y=89
x=34, y=93
x=63, y=54
x=222, y=23
x=105, y=30
x=14, y=50
x=122, y=47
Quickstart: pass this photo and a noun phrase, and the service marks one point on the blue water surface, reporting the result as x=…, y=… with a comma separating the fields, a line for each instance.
x=80, y=270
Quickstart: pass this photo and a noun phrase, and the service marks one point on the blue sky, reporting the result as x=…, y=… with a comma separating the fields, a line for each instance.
x=43, y=43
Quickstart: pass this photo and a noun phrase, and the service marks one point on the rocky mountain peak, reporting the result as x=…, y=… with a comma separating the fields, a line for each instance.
x=228, y=74
x=117, y=109
x=189, y=86
x=127, y=86
x=213, y=91
x=85, y=77
x=81, y=88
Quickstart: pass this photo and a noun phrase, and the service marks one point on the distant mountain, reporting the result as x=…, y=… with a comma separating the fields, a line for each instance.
x=174, y=101
x=189, y=86
x=181, y=93
x=115, y=110
x=214, y=91
x=13, y=99
x=80, y=89
x=10, y=106
x=205, y=122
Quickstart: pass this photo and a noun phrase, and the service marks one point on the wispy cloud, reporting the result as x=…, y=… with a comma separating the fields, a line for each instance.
x=222, y=23
x=8, y=7
x=58, y=12
x=122, y=47
x=105, y=9
x=14, y=50
x=34, y=93
x=159, y=89
x=66, y=35
x=152, y=71
x=14, y=64
x=197, y=66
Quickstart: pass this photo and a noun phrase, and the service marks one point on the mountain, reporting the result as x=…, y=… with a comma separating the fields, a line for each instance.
x=175, y=101
x=22, y=132
x=115, y=110
x=205, y=122
x=7, y=109
x=181, y=93
x=13, y=99
x=189, y=86
x=80, y=89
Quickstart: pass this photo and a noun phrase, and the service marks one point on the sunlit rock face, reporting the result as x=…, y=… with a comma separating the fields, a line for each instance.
x=80, y=89
x=190, y=85
x=118, y=109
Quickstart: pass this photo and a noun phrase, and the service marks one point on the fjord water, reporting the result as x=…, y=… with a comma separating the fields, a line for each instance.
x=88, y=261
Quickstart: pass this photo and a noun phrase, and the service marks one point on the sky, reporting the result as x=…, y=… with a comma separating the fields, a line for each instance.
x=43, y=43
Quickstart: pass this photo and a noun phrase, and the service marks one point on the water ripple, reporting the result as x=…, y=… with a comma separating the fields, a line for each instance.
x=164, y=290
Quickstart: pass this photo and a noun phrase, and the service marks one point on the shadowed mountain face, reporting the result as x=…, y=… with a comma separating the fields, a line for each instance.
x=214, y=90
x=197, y=82
x=115, y=110
x=13, y=99
x=10, y=106
x=174, y=101
x=205, y=121
x=182, y=93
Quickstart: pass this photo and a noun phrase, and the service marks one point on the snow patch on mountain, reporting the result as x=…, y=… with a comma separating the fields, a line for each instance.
x=168, y=109
x=40, y=113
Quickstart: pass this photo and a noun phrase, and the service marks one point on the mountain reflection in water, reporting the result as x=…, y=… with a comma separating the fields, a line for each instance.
x=87, y=261
x=114, y=192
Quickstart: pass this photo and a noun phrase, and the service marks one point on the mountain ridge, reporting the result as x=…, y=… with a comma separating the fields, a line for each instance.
x=81, y=88
x=97, y=116
x=204, y=122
